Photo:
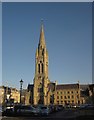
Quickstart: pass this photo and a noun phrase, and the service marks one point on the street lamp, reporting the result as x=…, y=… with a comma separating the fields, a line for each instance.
x=21, y=82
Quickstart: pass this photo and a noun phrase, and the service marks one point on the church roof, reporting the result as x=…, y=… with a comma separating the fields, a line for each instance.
x=51, y=86
x=91, y=87
x=30, y=87
x=67, y=86
x=84, y=86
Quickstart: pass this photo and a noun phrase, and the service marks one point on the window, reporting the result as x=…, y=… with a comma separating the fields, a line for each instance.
x=77, y=91
x=57, y=92
x=57, y=102
x=39, y=68
x=71, y=91
x=68, y=92
x=78, y=102
x=43, y=52
x=61, y=92
x=42, y=67
x=72, y=96
x=68, y=97
x=61, y=97
x=77, y=96
x=65, y=97
x=40, y=89
x=65, y=102
x=40, y=47
x=72, y=101
x=57, y=97
x=61, y=101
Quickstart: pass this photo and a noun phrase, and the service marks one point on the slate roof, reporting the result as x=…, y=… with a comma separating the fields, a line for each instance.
x=51, y=86
x=91, y=87
x=67, y=86
x=84, y=86
x=30, y=87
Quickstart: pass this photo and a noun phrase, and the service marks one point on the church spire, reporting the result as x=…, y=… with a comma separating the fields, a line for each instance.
x=42, y=37
x=41, y=71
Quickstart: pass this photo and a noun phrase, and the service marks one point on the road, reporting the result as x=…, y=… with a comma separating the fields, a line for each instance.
x=64, y=114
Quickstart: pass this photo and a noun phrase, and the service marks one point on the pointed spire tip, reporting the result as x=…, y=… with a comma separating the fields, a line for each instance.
x=42, y=21
x=42, y=26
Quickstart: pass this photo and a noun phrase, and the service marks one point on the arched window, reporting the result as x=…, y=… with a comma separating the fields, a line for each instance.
x=42, y=67
x=39, y=68
x=43, y=52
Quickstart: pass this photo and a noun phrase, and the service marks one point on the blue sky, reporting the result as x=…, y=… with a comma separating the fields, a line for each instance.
x=68, y=34
x=0, y=43
x=47, y=0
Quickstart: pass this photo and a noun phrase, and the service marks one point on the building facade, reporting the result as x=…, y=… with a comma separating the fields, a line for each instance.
x=67, y=94
x=9, y=95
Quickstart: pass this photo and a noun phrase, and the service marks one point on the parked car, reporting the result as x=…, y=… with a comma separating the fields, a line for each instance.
x=60, y=107
x=45, y=110
x=8, y=110
x=86, y=106
x=73, y=106
x=52, y=108
x=1, y=111
x=26, y=110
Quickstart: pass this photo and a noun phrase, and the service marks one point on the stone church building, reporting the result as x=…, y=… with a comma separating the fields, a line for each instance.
x=43, y=91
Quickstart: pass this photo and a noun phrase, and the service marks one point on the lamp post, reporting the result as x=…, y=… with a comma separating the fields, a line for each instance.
x=21, y=82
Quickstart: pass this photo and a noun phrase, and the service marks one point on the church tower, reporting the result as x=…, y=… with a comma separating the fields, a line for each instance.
x=41, y=79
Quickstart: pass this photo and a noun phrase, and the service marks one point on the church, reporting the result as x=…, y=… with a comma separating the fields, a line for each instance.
x=45, y=92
